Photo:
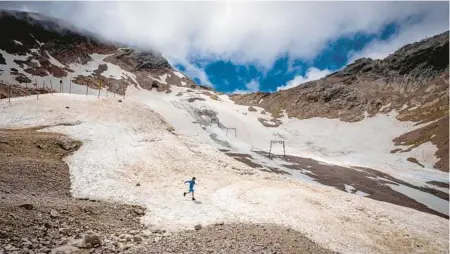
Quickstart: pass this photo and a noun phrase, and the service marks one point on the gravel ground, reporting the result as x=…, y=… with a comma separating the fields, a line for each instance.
x=234, y=238
x=40, y=216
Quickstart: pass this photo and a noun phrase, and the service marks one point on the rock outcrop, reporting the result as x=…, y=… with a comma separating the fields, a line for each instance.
x=412, y=81
x=39, y=39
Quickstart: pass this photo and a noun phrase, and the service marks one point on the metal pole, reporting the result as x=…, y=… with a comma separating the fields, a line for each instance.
x=270, y=149
x=87, y=89
x=99, y=85
x=284, y=150
x=60, y=86
x=70, y=85
x=51, y=86
x=9, y=94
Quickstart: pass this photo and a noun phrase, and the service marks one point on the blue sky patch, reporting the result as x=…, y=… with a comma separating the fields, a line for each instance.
x=228, y=77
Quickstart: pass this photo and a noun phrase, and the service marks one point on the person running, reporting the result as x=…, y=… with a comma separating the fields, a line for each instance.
x=191, y=187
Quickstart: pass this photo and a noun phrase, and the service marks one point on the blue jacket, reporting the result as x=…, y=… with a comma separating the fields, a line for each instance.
x=191, y=184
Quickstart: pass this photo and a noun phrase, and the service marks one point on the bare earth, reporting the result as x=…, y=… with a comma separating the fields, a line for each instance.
x=40, y=216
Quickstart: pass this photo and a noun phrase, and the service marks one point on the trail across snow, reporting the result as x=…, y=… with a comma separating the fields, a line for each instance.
x=127, y=143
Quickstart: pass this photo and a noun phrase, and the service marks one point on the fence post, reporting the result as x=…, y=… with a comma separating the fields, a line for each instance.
x=270, y=149
x=35, y=89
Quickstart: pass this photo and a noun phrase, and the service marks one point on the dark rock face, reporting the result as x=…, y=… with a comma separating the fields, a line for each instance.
x=143, y=60
x=2, y=59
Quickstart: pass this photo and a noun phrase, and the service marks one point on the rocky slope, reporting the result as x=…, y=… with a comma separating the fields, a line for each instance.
x=412, y=81
x=46, y=47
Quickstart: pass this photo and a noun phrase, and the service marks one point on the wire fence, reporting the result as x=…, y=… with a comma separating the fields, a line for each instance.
x=43, y=87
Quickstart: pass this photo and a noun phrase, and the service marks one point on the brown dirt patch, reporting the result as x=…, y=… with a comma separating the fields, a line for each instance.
x=195, y=99
x=361, y=179
x=17, y=91
x=414, y=160
x=439, y=184
x=269, y=123
x=251, y=109
x=247, y=159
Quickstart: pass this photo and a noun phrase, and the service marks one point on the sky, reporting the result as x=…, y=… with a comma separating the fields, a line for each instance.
x=241, y=47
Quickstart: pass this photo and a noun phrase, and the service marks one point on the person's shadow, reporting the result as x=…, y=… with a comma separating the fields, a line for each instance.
x=197, y=202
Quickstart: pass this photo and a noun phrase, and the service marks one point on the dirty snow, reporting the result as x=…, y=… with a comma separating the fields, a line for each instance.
x=161, y=79
x=351, y=189
x=125, y=143
x=178, y=74
x=54, y=61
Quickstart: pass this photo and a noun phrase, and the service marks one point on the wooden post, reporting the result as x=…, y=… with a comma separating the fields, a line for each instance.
x=35, y=89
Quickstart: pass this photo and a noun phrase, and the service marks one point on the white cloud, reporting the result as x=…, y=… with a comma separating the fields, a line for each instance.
x=311, y=74
x=195, y=72
x=408, y=33
x=251, y=87
x=243, y=32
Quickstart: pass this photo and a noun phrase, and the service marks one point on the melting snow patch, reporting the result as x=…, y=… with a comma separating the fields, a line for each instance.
x=178, y=74
x=351, y=189
x=54, y=61
x=429, y=200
